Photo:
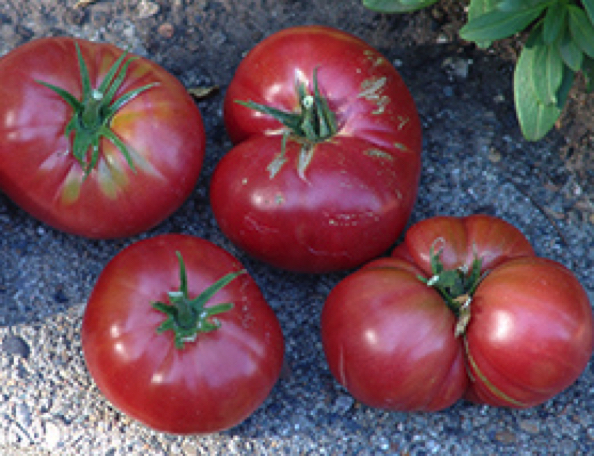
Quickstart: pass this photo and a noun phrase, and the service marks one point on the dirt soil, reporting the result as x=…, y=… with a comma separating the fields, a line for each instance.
x=475, y=160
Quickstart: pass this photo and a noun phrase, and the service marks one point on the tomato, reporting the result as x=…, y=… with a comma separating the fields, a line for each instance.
x=183, y=348
x=324, y=172
x=462, y=309
x=90, y=152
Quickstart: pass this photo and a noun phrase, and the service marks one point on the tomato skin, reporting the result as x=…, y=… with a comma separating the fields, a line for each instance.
x=494, y=240
x=355, y=196
x=162, y=127
x=530, y=333
x=209, y=385
x=389, y=341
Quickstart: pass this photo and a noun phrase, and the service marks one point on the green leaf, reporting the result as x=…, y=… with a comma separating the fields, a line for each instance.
x=74, y=103
x=554, y=22
x=582, y=30
x=111, y=74
x=535, y=117
x=478, y=8
x=127, y=97
x=497, y=24
x=109, y=134
x=517, y=5
x=84, y=73
x=397, y=6
x=589, y=7
x=547, y=69
x=570, y=52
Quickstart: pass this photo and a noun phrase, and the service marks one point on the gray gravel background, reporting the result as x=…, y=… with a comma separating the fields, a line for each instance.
x=474, y=161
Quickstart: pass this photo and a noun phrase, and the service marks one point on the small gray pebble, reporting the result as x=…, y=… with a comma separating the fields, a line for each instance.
x=16, y=346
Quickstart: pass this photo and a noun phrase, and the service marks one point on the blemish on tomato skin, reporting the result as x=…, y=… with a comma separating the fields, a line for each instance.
x=402, y=122
x=70, y=192
x=375, y=59
x=401, y=147
x=379, y=154
x=371, y=90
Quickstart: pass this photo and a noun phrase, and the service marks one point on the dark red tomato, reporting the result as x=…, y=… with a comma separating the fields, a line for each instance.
x=462, y=308
x=190, y=363
x=325, y=169
x=115, y=158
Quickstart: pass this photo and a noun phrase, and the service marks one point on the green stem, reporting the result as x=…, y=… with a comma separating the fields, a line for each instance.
x=91, y=115
x=188, y=317
x=456, y=286
x=314, y=123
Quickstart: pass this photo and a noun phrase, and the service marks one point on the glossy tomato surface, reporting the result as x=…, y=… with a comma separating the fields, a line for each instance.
x=395, y=342
x=388, y=339
x=161, y=127
x=530, y=335
x=329, y=204
x=213, y=382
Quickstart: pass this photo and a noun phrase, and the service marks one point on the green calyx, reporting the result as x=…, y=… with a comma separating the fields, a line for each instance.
x=188, y=317
x=456, y=286
x=95, y=110
x=314, y=123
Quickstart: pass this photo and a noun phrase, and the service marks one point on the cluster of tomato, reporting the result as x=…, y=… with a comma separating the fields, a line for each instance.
x=323, y=177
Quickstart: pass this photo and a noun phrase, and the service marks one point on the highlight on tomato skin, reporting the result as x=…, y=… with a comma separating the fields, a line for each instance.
x=178, y=336
x=463, y=309
x=111, y=142
x=325, y=168
x=388, y=340
x=531, y=334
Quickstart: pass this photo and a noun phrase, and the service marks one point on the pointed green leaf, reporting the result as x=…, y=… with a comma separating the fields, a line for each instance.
x=289, y=119
x=213, y=289
x=94, y=157
x=478, y=8
x=84, y=72
x=589, y=7
x=570, y=52
x=536, y=118
x=105, y=131
x=183, y=276
x=497, y=25
x=326, y=119
x=517, y=5
x=113, y=71
x=582, y=30
x=397, y=6
x=116, y=82
x=127, y=97
x=554, y=23
x=75, y=104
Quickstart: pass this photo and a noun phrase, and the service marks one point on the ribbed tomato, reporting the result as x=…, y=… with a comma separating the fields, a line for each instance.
x=178, y=336
x=462, y=308
x=94, y=141
x=325, y=169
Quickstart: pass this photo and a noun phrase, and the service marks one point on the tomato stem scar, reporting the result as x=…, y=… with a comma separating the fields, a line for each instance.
x=92, y=114
x=188, y=317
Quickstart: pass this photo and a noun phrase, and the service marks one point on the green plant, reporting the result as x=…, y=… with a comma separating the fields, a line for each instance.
x=560, y=44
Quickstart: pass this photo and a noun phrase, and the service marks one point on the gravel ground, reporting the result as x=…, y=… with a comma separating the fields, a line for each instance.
x=474, y=161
